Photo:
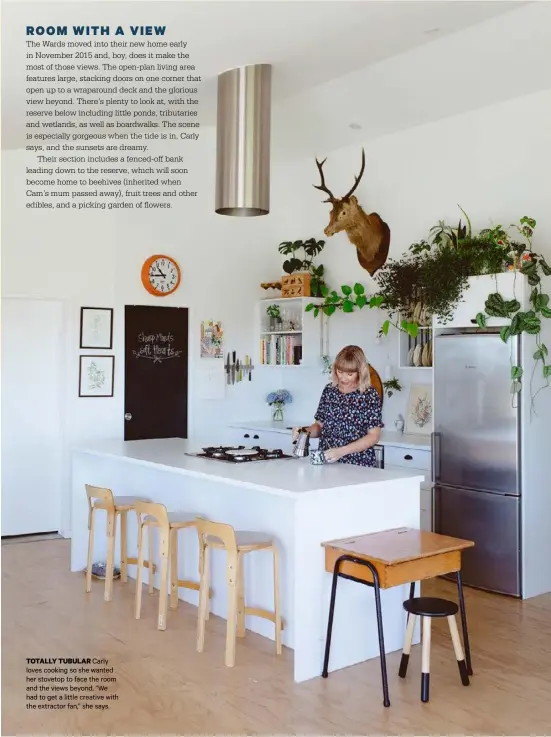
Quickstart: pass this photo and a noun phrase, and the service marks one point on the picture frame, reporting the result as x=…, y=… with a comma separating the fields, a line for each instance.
x=96, y=376
x=419, y=414
x=96, y=328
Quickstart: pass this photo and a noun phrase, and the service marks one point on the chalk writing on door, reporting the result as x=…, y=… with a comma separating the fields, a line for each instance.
x=156, y=347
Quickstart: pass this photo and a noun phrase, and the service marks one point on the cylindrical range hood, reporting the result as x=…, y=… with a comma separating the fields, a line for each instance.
x=243, y=141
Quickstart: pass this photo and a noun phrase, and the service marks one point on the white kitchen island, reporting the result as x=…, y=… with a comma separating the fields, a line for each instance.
x=301, y=505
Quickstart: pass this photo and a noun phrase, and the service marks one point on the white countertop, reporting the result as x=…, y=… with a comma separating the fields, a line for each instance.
x=287, y=477
x=388, y=437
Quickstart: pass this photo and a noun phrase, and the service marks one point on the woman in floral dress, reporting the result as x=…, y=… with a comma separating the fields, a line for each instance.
x=348, y=420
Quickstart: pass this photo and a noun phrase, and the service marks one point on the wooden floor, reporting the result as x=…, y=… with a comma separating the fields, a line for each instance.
x=165, y=687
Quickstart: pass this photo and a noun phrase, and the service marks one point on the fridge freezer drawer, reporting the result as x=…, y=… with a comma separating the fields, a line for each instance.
x=492, y=522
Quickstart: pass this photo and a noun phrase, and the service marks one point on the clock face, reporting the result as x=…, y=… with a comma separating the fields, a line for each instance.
x=161, y=275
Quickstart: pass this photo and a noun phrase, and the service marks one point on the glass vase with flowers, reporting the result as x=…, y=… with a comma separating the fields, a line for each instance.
x=277, y=401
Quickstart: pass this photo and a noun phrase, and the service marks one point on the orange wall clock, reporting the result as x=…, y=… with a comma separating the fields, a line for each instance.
x=161, y=275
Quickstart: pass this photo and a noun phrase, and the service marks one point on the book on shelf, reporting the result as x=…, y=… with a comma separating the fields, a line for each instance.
x=280, y=350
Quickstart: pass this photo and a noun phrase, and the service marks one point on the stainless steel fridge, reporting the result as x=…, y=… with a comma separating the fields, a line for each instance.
x=476, y=455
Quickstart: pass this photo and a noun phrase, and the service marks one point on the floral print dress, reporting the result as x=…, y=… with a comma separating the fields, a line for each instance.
x=346, y=418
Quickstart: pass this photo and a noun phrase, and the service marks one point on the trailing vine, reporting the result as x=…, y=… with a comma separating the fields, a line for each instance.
x=534, y=267
x=351, y=297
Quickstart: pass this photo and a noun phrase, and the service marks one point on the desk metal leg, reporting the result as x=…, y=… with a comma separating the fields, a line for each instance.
x=464, y=622
x=376, y=587
x=325, y=672
x=386, y=698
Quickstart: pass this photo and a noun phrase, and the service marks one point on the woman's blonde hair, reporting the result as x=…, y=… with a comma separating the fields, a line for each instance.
x=352, y=359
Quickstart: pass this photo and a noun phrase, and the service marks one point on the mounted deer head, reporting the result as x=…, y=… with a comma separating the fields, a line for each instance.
x=369, y=233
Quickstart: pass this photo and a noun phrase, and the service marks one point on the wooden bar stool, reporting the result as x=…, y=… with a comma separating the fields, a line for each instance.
x=220, y=536
x=152, y=515
x=428, y=607
x=100, y=498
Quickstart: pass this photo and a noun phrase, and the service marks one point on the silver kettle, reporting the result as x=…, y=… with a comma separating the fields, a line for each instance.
x=302, y=443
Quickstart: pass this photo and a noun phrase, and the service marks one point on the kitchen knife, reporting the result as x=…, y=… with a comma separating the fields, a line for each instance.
x=238, y=371
x=233, y=369
x=227, y=367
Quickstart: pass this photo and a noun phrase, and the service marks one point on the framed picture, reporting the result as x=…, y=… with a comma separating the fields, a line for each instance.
x=96, y=327
x=96, y=376
x=419, y=411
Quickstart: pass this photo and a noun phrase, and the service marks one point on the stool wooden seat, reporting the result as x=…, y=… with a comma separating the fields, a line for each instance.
x=428, y=607
x=100, y=498
x=152, y=515
x=236, y=543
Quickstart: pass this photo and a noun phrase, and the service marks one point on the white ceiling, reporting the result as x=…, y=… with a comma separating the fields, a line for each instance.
x=309, y=43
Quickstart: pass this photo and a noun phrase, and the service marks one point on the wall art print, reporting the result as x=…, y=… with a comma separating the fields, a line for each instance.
x=96, y=327
x=212, y=339
x=96, y=376
x=419, y=411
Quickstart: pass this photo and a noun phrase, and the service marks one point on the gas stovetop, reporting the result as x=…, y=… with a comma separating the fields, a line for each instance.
x=240, y=454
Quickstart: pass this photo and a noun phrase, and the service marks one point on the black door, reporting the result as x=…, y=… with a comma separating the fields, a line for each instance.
x=156, y=372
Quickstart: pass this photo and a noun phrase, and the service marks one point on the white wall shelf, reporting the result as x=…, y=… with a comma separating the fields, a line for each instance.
x=300, y=340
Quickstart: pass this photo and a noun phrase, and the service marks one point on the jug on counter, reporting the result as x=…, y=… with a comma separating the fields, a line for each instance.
x=302, y=443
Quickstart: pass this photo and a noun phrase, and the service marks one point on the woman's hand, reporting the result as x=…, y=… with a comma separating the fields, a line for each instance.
x=334, y=454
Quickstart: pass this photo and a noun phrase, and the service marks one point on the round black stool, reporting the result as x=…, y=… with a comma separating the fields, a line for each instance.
x=427, y=607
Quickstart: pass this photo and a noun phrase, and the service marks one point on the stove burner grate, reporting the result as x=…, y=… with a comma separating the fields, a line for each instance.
x=231, y=454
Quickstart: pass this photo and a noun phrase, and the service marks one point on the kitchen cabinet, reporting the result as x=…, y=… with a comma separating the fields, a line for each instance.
x=249, y=437
x=510, y=284
x=403, y=452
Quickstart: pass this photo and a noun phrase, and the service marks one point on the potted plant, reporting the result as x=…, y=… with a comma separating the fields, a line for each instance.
x=274, y=313
x=277, y=401
x=301, y=261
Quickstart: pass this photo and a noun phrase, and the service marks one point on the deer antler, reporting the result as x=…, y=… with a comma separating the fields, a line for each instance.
x=349, y=194
x=323, y=186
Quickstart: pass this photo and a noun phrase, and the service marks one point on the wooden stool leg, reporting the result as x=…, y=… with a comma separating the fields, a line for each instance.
x=91, y=518
x=124, y=547
x=240, y=595
x=111, y=530
x=139, y=572
x=203, y=599
x=206, y=563
x=425, y=658
x=150, y=557
x=232, y=572
x=462, y=665
x=277, y=600
x=407, y=645
x=173, y=568
x=164, y=535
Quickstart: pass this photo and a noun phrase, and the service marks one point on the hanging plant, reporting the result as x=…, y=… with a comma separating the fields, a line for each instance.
x=534, y=267
x=392, y=385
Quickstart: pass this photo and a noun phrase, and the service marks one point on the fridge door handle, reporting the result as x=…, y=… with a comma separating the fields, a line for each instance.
x=435, y=456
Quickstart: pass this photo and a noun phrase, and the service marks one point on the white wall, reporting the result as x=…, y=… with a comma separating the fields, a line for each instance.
x=494, y=162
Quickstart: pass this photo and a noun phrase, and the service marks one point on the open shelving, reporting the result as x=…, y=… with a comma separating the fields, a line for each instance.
x=299, y=339
x=417, y=349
